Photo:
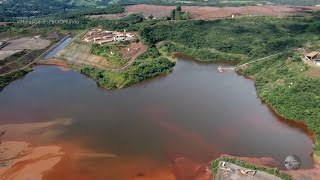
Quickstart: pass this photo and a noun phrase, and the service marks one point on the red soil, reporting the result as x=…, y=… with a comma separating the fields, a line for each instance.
x=201, y=12
x=134, y=48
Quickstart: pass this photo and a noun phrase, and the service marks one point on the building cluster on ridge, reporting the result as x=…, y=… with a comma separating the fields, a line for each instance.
x=100, y=36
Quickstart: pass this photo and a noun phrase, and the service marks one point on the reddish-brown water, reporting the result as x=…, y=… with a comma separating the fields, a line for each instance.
x=165, y=128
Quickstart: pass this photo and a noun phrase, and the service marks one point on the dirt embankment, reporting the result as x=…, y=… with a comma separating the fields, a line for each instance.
x=202, y=12
x=79, y=54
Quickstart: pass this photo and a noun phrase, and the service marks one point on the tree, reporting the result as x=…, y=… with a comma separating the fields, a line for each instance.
x=178, y=8
x=173, y=14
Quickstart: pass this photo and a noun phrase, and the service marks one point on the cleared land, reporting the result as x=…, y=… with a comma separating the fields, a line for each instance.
x=20, y=52
x=313, y=72
x=26, y=43
x=201, y=12
x=79, y=53
x=109, y=16
x=234, y=173
x=5, y=54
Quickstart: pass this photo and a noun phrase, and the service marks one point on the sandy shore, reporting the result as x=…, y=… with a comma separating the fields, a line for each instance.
x=19, y=160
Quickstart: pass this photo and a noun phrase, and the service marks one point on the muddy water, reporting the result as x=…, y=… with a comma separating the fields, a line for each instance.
x=161, y=129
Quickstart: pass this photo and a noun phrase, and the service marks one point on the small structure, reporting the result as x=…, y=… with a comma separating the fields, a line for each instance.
x=2, y=44
x=313, y=55
x=120, y=37
x=317, y=62
x=36, y=37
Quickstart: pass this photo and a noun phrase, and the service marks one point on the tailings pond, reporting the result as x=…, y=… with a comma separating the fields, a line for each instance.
x=161, y=128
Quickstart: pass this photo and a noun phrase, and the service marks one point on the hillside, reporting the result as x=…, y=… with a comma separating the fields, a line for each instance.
x=18, y=8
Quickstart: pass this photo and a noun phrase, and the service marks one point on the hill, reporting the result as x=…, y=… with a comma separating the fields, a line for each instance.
x=21, y=8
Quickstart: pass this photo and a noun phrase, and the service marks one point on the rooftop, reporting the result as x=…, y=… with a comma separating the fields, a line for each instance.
x=313, y=53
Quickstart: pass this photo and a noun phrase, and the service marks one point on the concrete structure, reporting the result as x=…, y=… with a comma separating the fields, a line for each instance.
x=313, y=55
x=100, y=36
x=229, y=171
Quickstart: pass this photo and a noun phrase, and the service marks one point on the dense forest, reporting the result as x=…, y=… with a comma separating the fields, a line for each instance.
x=253, y=37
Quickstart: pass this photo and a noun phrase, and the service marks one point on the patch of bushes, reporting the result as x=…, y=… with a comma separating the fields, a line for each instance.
x=6, y=79
x=135, y=73
x=199, y=54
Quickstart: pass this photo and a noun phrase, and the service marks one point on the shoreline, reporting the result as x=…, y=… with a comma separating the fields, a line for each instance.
x=293, y=123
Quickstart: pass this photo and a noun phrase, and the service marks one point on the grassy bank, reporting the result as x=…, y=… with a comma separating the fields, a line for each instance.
x=215, y=167
x=6, y=79
x=282, y=82
x=135, y=73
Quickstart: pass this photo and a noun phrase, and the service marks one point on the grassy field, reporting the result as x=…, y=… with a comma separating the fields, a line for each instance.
x=82, y=53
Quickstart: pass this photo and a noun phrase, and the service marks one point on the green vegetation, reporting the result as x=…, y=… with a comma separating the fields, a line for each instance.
x=110, y=52
x=92, y=11
x=23, y=60
x=6, y=79
x=177, y=14
x=86, y=23
x=282, y=83
x=215, y=167
x=22, y=8
x=139, y=71
x=254, y=37
x=199, y=54
x=13, y=57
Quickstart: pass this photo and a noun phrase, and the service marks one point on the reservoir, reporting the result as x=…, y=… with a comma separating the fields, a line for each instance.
x=161, y=128
x=58, y=48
